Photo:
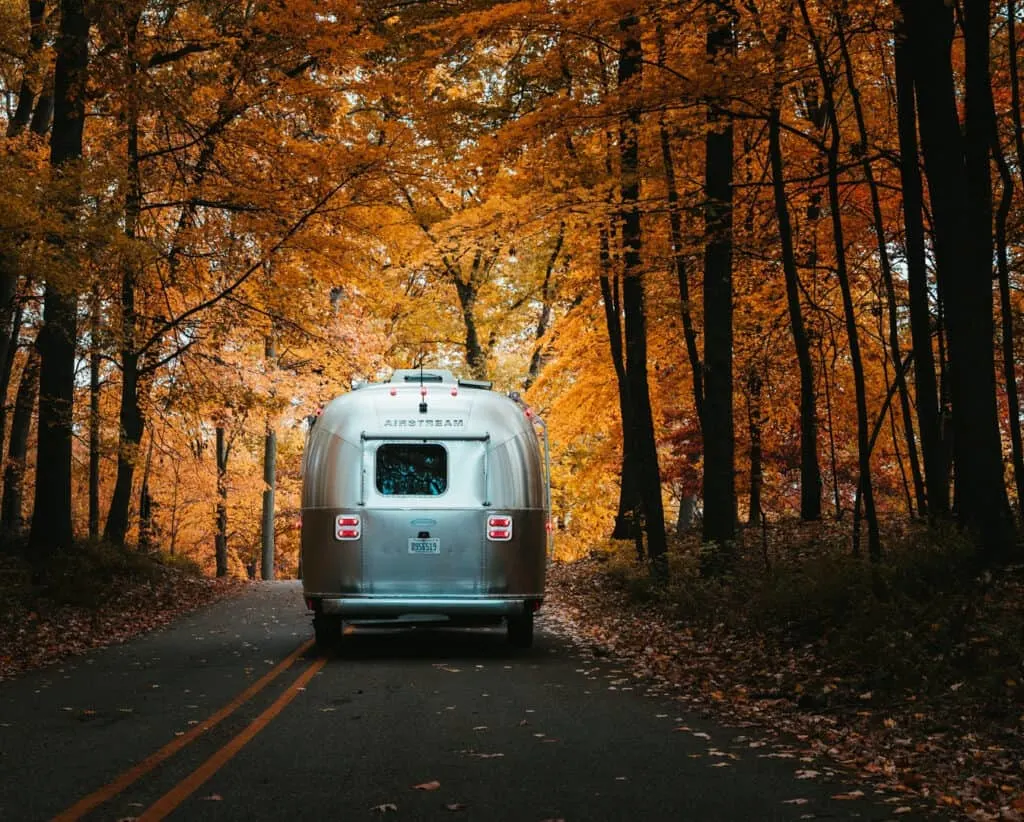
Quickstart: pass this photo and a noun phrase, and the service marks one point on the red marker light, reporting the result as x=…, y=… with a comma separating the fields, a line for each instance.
x=499, y=528
x=348, y=527
x=393, y=392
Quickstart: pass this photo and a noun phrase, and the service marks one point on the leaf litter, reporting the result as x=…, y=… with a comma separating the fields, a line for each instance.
x=922, y=753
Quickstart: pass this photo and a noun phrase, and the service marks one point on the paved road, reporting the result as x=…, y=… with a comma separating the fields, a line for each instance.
x=230, y=714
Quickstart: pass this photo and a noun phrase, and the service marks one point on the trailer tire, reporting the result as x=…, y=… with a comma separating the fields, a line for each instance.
x=327, y=631
x=520, y=630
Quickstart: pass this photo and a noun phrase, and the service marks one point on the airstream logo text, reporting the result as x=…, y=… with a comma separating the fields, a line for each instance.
x=424, y=422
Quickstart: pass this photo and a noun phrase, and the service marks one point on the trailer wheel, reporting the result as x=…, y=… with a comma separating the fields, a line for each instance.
x=520, y=630
x=327, y=631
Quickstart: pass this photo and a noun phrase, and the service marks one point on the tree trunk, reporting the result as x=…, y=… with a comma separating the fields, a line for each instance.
x=94, y=418
x=628, y=494
x=925, y=388
x=30, y=77
x=754, y=385
x=12, y=521
x=675, y=224
x=959, y=184
x=131, y=426
x=42, y=117
x=810, y=469
x=544, y=321
x=221, y=537
x=633, y=299
x=1006, y=316
x=131, y=420
x=8, y=342
x=886, y=270
x=147, y=526
x=826, y=372
x=269, y=479
x=842, y=275
x=51, y=517
x=466, y=289
x=719, y=458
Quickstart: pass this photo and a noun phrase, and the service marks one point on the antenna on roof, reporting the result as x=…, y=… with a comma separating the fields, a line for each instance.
x=423, y=392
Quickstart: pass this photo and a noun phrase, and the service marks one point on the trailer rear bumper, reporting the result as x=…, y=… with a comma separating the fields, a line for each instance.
x=365, y=607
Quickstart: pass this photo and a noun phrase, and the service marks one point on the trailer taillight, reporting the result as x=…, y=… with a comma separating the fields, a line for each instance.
x=499, y=528
x=348, y=527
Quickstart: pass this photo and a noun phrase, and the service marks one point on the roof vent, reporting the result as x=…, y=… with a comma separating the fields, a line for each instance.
x=415, y=375
x=484, y=385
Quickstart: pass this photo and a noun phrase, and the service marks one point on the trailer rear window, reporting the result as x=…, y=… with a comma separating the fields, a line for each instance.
x=412, y=469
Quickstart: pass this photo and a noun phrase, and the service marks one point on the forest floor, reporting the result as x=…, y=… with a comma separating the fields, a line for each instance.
x=98, y=597
x=911, y=676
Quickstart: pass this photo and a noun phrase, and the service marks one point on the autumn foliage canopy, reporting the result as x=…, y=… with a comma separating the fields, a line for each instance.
x=752, y=261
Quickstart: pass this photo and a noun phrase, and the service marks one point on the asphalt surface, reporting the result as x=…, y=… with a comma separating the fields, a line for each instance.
x=485, y=731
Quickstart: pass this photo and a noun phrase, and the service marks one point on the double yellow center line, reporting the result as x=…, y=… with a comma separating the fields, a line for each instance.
x=180, y=792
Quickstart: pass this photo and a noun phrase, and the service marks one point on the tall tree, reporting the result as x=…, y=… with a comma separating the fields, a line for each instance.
x=862, y=148
x=810, y=470
x=11, y=515
x=957, y=165
x=51, y=516
x=633, y=297
x=865, y=484
x=719, y=458
x=269, y=475
x=222, y=450
x=918, y=286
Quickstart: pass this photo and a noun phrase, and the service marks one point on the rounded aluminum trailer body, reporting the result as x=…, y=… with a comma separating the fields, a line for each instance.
x=424, y=501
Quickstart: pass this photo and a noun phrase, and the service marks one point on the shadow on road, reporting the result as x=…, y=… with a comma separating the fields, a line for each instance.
x=434, y=644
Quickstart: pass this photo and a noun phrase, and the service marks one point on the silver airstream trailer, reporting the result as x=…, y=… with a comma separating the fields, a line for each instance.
x=424, y=499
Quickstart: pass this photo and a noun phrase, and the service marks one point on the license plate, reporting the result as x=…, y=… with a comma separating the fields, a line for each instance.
x=425, y=546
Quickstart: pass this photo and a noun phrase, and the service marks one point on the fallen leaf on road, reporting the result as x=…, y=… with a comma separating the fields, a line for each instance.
x=850, y=795
x=427, y=786
x=800, y=801
x=214, y=797
x=387, y=806
x=807, y=774
x=455, y=806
